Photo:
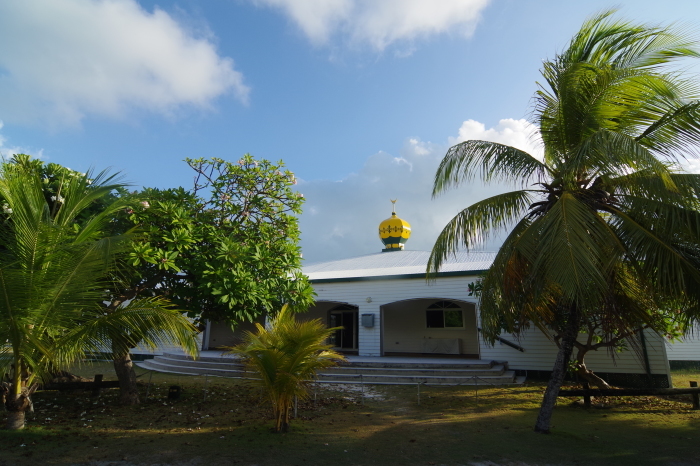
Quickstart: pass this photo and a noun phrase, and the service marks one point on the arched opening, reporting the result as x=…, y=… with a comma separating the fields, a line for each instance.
x=337, y=314
x=430, y=326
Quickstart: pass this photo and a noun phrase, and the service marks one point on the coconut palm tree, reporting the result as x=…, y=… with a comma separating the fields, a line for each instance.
x=286, y=355
x=54, y=273
x=146, y=322
x=606, y=218
x=54, y=177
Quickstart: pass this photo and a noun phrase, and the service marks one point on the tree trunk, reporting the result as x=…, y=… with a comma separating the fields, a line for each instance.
x=128, y=391
x=282, y=417
x=278, y=419
x=15, y=420
x=589, y=377
x=566, y=347
x=17, y=406
x=285, y=420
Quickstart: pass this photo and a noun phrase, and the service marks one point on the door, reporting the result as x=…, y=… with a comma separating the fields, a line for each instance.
x=346, y=337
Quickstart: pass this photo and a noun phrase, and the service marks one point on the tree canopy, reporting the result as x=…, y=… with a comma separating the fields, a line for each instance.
x=225, y=250
x=606, y=223
x=56, y=265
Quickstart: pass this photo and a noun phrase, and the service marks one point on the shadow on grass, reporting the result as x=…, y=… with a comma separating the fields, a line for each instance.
x=579, y=437
x=447, y=427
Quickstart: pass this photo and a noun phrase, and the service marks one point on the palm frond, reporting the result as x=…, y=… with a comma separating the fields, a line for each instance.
x=621, y=44
x=490, y=161
x=152, y=322
x=676, y=223
x=286, y=354
x=79, y=192
x=50, y=275
x=676, y=133
x=473, y=225
x=576, y=250
x=682, y=190
x=608, y=153
x=667, y=265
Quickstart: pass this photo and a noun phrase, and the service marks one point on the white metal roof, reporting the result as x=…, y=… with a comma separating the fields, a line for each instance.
x=386, y=264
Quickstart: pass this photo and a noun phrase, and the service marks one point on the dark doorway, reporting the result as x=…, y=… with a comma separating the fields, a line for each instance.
x=345, y=316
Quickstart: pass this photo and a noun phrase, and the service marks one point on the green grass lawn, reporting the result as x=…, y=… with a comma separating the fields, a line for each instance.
x=220, y=421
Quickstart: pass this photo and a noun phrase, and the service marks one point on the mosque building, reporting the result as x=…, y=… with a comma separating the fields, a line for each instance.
x=387, y=308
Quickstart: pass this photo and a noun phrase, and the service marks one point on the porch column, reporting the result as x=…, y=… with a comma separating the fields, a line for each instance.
x=206, y=336
x=369, y=338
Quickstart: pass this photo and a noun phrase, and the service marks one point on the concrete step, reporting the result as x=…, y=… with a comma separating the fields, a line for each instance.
x=222, y=364
x=506, y=378
x=154, y=365
x=222, y=359
x=412, y=364
x=407, y=371
x=353, y=372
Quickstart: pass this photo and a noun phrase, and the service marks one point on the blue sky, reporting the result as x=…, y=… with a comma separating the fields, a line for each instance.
x=360, y=98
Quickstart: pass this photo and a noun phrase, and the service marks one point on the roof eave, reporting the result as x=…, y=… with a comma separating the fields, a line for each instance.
x=459, y=273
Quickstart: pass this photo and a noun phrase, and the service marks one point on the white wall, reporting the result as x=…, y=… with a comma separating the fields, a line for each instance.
x=686, y=350
x=539, y=351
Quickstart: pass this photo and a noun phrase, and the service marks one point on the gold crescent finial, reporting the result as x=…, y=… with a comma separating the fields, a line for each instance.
x=393, y=205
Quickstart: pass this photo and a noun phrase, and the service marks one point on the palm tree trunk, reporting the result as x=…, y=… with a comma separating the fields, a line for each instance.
x=566, y=347
x=282, y=415
x=17, y=396
x=128, y=390
x=15, y=420
x=278, y=419
x=285, y=419
x=16, y=405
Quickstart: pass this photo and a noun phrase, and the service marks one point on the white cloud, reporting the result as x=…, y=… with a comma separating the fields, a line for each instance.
x=317, y=18
x=63, y=59
x=6, y=152
x=691, y=165
x=341, y=217
x=379, y=23
x=517, y=133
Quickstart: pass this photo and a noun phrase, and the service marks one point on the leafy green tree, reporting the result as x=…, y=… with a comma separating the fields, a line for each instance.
x=286, y=355
x=55, y=264
x=598, y=333
x=611, y=226
x=226, y=250
x=54, y=178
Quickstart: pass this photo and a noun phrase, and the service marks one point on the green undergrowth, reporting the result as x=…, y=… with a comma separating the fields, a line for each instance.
x=222, y=422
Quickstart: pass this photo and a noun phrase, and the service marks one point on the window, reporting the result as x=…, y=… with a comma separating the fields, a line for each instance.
x=444, y=314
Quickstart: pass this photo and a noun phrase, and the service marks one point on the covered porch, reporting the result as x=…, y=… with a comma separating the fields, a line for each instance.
x=435, y=327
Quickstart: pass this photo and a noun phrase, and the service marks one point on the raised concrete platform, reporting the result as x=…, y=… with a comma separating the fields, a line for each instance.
x=392, y=370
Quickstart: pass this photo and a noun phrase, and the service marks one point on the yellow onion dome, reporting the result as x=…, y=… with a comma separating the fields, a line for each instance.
x=394, y=232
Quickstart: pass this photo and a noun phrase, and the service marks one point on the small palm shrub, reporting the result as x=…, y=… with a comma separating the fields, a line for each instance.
x=286, y=355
